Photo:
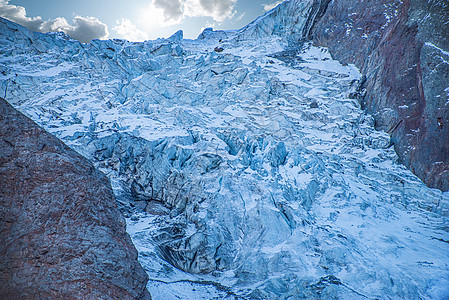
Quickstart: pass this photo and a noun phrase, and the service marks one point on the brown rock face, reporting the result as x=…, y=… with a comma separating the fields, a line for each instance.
x=62, y=236
x=402, y=49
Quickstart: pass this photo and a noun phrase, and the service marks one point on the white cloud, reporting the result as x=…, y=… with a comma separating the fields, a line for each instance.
x=18, y=14
x=270, y=6
x=127, y=30
x=241, y=16
x=172, y=10
x=157, y=15
x=83, y=29
x=162, y=13
x=219, y=10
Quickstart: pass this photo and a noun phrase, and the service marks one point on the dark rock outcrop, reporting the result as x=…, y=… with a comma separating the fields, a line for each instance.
x=61, y=233
x=402, y=48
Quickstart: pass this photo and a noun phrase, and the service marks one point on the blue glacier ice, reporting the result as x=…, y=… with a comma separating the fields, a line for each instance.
x=242, y=163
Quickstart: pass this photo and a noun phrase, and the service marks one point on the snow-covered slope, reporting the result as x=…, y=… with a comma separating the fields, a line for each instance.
x=244, y=166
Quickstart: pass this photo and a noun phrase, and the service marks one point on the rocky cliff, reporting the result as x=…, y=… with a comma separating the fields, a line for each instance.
x=402, y=49
x=62, y=235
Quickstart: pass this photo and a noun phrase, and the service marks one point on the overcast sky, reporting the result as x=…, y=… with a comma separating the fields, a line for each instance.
x=135, y=20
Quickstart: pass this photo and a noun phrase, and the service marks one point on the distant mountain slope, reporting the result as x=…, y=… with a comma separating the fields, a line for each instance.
x=62, y=236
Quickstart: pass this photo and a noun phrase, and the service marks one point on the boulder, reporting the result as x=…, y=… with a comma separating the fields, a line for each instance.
x=62, y=234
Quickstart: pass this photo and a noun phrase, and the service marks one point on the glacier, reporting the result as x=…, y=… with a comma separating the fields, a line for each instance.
x=242, y=160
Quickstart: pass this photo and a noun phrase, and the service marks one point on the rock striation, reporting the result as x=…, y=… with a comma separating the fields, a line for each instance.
x=402, y=49
x=62, y=234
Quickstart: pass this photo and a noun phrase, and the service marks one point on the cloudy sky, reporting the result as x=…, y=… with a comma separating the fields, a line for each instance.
x=135, y=20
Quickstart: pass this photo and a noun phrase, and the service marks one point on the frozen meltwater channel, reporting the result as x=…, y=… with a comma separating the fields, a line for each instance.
x=245, y=167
